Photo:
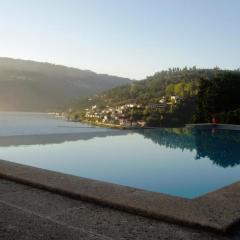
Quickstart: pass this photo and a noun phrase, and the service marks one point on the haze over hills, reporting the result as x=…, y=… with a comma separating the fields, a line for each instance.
x=35, y=86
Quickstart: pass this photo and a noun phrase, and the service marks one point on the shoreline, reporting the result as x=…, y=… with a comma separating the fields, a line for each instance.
x=115, y=126
x=108, y=125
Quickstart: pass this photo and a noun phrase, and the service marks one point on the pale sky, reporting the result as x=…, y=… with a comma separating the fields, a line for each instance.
x=129, y=38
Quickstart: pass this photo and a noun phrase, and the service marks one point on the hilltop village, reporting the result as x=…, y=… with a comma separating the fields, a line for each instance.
x=129, y=115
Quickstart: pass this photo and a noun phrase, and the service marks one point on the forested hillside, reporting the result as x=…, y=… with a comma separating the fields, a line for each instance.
x=202, y=93
x=219, y=98
x=182, y=82
x=34, y=86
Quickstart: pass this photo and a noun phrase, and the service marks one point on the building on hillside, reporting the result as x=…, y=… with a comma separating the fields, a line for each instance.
x=175, y=99
x=141, y=123
x=156, y=106
x=163, y=100
x=130, y=105
x=134, y=124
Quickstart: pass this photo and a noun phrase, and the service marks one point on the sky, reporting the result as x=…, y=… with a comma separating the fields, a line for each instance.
x=129, y=38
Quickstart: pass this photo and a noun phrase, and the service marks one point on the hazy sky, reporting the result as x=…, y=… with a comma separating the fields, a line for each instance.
x=131, y=38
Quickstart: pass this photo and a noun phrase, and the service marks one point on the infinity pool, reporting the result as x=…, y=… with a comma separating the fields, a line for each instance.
x=180, y=162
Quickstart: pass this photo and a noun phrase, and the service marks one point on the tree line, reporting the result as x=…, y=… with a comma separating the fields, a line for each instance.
x=204, y=92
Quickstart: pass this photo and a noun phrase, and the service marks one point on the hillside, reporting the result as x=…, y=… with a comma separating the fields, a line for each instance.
x=34, y=86
x=182, y=82
x=168, y=98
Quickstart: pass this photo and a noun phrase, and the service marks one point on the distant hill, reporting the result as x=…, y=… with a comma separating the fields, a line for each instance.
x=182, y=82
x=218, y=96
x=34, y=86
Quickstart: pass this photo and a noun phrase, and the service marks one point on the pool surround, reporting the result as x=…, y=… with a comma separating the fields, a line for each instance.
x=218, y=211
x=215, y=126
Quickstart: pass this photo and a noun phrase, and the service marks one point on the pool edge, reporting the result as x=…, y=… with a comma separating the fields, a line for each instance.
x=208, y=212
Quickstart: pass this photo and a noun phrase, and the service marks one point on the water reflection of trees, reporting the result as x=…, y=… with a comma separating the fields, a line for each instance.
x=220, y=146
x=171, y=137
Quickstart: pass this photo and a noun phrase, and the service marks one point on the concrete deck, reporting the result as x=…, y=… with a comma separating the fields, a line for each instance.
x=41, y=204
x=218, y=211
x=29, y=213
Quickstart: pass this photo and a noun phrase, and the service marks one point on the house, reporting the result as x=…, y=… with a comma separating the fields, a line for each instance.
x=128, y=124
x=156, y=106
x=134, y=124
x=122, y=122
x=125, y=122
x=175, y=99
x=141, y=123
x=105, y=119
x=96, y=115
x=131, y=105
x=162, y=100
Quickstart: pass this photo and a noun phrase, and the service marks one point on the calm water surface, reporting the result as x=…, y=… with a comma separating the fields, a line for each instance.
x=174, y=161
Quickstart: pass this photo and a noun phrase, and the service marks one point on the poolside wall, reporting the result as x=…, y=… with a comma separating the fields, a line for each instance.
x=216, y=211
x=214, y=126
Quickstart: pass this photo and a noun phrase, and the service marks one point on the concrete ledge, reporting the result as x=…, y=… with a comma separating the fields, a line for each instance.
x=217, y=211
x=216, y=126
x=228, y=126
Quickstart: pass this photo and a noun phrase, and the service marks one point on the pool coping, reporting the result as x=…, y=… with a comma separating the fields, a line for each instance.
x=220, y=126
x=218, y=210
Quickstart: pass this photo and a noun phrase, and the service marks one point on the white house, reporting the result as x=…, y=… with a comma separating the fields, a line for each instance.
x=175, y=99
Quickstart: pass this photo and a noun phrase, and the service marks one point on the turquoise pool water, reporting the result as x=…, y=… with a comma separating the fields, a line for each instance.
x=176, y=161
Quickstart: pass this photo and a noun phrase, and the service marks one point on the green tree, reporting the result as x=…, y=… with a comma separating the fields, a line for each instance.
x=220, y=94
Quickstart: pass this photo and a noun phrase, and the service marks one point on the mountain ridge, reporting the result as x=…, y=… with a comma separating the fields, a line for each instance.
x=27, y=85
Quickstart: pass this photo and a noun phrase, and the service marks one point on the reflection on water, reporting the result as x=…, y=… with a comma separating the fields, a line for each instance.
x=173, y=138
x=175, y=161
x=222, y=147
x=44, y=139
x=18, y=123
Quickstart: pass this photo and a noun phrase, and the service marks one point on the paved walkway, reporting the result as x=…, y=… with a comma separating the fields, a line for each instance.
x=29, y=213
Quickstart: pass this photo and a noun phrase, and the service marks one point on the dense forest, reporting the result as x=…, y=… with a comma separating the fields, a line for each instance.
x=204, y=93
x=219, y=97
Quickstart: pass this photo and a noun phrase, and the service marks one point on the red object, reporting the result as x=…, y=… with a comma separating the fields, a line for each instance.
x=215, y=120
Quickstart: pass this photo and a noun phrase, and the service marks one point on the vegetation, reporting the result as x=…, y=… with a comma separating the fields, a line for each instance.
x=232, y=117
x=219, y=97
x=181, y=82
x=182, y=114
x=34, y=86
x=203, y=93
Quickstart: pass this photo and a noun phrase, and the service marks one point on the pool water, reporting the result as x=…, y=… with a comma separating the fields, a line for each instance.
x=179, y=161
